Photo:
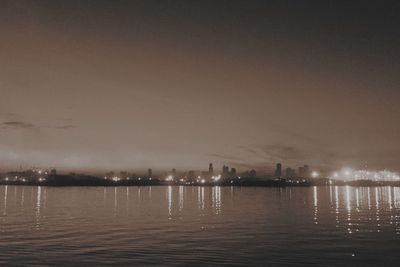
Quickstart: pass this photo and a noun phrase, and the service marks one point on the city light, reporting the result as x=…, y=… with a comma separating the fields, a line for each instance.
x=169, y=178
x=216, y=178
x=353, y=175
x=314, y=174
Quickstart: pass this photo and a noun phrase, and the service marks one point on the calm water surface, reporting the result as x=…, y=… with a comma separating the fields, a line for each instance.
x=161, y=225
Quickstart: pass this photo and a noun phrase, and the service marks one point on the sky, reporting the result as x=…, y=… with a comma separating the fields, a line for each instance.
x=131, y=85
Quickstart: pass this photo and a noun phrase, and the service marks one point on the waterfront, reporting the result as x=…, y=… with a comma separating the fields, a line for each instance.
x=181, y=225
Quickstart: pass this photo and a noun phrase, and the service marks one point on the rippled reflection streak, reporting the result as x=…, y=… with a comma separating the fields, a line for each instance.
x=337, y=204
x=3, y=219
x=38, y=206
x=181, y=198
x=357, y=199
x=5, y=200
x=200, y=197
x=216, y=199
x=127, y=201
x=369, y=198
x=169, y=199
x=115, y=201
x=315, y=205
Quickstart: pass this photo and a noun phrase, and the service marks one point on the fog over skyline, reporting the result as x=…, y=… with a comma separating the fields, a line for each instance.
x=99, y=85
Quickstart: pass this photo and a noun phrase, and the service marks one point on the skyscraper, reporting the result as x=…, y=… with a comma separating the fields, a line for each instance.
x=233, y=173
x=210, y=169
x=225, y=170
x=304, y=172
x=278, y=171
x=290, y=173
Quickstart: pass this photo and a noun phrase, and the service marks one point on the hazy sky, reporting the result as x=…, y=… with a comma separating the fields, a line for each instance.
x=135, y=84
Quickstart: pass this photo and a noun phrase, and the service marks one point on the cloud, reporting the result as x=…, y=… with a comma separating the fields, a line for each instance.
x=223, y=157
x=16, y=125
x=269, y=154
x=65, y=127
x=282, y=152
x=284, y=130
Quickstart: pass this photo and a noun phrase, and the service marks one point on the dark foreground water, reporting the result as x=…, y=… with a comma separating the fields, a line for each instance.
x=82, y=226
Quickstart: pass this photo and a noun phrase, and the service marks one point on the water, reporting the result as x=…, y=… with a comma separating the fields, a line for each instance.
x=160, y=225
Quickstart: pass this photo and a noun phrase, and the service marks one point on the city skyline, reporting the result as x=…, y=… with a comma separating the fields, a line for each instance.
x=134, y=85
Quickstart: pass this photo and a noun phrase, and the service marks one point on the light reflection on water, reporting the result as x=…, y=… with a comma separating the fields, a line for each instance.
x=223, y=225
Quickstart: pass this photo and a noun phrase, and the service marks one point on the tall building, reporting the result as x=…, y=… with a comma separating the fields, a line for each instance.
x=304, y=172
x=252, y=173
x=233, y=173
x=225, y=170
x=210, y=169
x=173, y=173
x=191, y=176
x=290, y=173
x=278, y=171
x=149, y=173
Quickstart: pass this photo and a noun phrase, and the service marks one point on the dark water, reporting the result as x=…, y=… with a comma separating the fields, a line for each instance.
x=81, y=226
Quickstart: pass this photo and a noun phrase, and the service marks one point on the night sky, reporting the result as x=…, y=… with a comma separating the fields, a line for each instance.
x=99, y=85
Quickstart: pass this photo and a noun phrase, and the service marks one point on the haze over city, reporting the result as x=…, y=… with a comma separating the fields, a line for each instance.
x=100, y=85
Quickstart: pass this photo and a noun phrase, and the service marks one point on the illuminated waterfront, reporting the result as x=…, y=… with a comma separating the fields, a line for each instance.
x=178, y=225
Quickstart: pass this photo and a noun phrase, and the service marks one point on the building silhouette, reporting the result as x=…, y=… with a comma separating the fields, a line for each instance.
x=304, y=171
x=233, y=173
x=225, y=170
x=191, y=176
x=210, y=169
x=290, y=173
x=278, y=171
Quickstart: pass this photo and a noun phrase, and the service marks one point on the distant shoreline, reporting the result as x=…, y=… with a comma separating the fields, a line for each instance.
x=59, y=180
x=244, y=184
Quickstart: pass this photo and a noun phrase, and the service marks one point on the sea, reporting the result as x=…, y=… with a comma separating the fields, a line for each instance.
x=199, y=226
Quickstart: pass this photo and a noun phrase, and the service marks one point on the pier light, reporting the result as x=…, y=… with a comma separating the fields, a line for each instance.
x=315, y=174
x=216, y=178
